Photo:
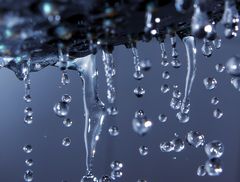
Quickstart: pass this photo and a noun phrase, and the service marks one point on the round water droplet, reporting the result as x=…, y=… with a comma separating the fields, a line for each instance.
x=217, y=113
x=214, y=167
x=145, y=64
x=67, y=122
x=178, y=144
x=219, y=68
x=116, y=165
x=66, y=98
x=214, y=149
x=214, y=101
x=176, y=63
x=27, y=148
x=233, y=66
x=66, y=142
x=176, y=93
x=29, y=162
x=28, y=175
x=166, y=146
x=201, y=171
x=235, y=81
x=89, y=178
x=112, y=111
x=139, y=91
x=175, y=103
x=195, y=139
x=105, y=179
x=139, y=114
x=116, y=174
x=28, y=119
x=141, y=125
x=210, y=83
x=164, y=62
x=182, y=117
x=165, y=75
x=138, y=75
x=113, y=131
x=165, y=88
x=207, y=49
x=28, y=111
x=162, y=118
x=27, y=98
x=61, y=109
x=143, y=150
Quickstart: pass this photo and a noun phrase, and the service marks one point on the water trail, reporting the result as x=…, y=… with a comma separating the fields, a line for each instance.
x=138, y=75
x=94, y=109
x=191, y=50
x=63, y=66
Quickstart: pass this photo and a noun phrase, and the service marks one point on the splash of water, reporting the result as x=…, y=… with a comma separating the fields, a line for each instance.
x=191, y=50
x=94, y=109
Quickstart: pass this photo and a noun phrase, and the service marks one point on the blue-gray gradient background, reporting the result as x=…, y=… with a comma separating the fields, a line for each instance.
x=54, y=163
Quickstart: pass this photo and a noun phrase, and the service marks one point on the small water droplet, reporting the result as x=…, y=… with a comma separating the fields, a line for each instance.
x=165, y=75
x=141, y=125
x=219, y=68
x=176, y=93
x=113, y=131
x=66, y=142
x=28, y=175
x=28, y=119
x=61, y=109
x=217, y=113
x=66, y=98
x=27, y=98
x=235, y=81
x=210, y=83
x=214, y=149
x=112, y=111
x=138, y=75
x=176, y=63
x=207, y=49
x=166, y=146
x=27, y=148
x=175, y=103
x=195, y=139
x=143, y=150
x=89, y=178
x=201, y=171
x=214, y=101
x=162, y=118
x=178, y=144
x=116, y=165
x=67, y=122
x=65, y=79
x=182, y=117
x=165, y=88
x=214, y=167
x=28, y=111
x=139, y=91
x=116, y=174
x=105, y=179
x=29, y=162
x=217, y=43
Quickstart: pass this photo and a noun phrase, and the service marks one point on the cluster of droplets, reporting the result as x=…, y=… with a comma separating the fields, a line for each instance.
x=176, y=145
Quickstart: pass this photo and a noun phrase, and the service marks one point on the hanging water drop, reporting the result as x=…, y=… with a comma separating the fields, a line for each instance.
x=214, y=149
x=163, y=54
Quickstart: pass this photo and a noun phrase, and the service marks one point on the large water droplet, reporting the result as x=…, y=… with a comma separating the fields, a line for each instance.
x=178, y=144
x=214, y=149
x=195, y=139
x=61, y=109
x=210, y=83
x=214, y=167
x=28, y=175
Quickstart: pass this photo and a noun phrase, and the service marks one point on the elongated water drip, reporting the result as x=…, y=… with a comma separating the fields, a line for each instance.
x=138, y=75
x=191, y=50
x=63, y=66
x=94, y=109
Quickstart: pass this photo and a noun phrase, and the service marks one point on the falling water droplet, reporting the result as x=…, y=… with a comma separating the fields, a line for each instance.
x=214, y=149
x=61, y=109
x=176, y=93
x=29, y=162
x=89, y=178
x=116, y=174
x=139, y=91
x=27, y=98
x=138, y=75
x=28, y=175
x=214, y=101
x=217, y=43
x=214, y=167
x=217, y=113
x=116, y=165
x=27, y=148
x=67, y=122
x=219, y=68
x=233, y=66
x=113, y=131
x=209, y=83
x=182, y=117
x=28, y=111
x=166, y=146
x=112, y=111
x=165, y=75
x=176, y=63
x=143, y=150
x=162, y=118
x=195, y=139
x=28, y=119
x=141, y=125
x=235, y=81
x=105, y=179
x=163, y=54
x=145, y=64
x=165, y=88
x=173, y=44
x=175, y=103
x=207, y=48
x=66, y=98
x=201, y=171
x=66, y=142
x=178, y=144
x=65, y=79
x=141, y=180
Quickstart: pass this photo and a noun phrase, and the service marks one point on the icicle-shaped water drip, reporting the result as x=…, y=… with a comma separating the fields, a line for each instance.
x=207, y=49
x=138, y=75
x=63, y=66
x=191, y=50
x=110, y=71
x=26, y=78
x=148, y=23
x=175, y=62
x=163, y=54
x=94, y=109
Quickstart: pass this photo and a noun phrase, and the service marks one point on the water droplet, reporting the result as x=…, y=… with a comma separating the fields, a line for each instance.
x=219, y=68
x=178, y=144
x=116, y=174
x=141, y=180
x=165, y=88
x=235, y=81
x=27, y=148
x=105, y=179
x=61, y=109
x=210, y=83
x=195, y=139
x=67, y=122
x=214, y=149
x=182, y=117
x=176, y=63
x=139, y=91
x=27, y=98
x=141, y=125
x=112, y=111
x=217, y=113
x=207, y=48
x=201, y=171
x=233, y=66
x=66, y=98
x=176, y=94
x=214, y=101
x=217, y=43
x=165, y=75
x=116, y=165
x=166, y=146
x=145, y=64
x=162, y=118
x=143, y=150
x=175, y=103
x=29, y=162
x=113, y=131
x=138, y=75
x=28, y=175
x=214, y=167
x=28, y=111
x=89, y=178
x=28, y=119
x=65, y=79
x=66, y=142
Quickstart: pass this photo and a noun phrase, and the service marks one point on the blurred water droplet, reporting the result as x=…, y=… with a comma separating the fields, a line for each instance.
x=28, y=119
x=116, y=174
x=207, y=49
x=214, y=101
x=66, y=142
x=217, y=113
x=28, y=111
x=112, y=111
x=201, y=171
x=219, y=68
x=113, y=131
x=116, y=165
x=66, y=98
x=89, y=178
x=178, y=144
x=214, y=149
x=141, y=125
x=67, y=122
x=145, y=64
x=209, y=83
x=176, y=63
x=217, y=43
x=195, y=139
x=27, y=98
x=166, y=146
x=65, y=79
x=176, y=94
x=233, y=66
x=105, y=179
x=143, y=150
x=175, y=103
x=162, y=118
x=235, y=81
x=182, y=117
x=61, y=109
x=214, y=167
